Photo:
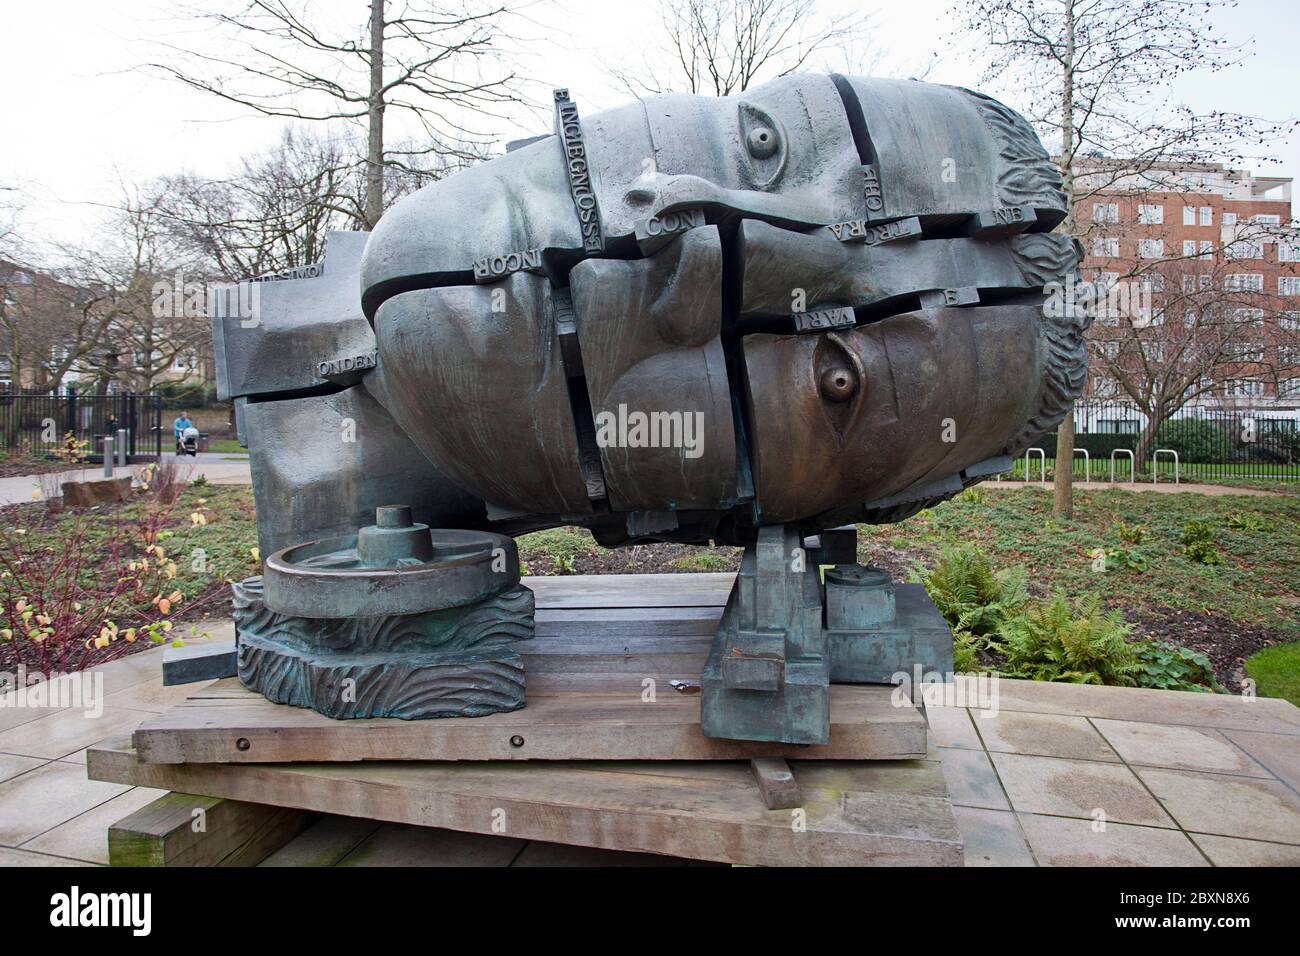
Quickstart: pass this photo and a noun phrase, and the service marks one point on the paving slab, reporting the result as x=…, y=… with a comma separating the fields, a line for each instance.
x=43, y=798
x=65, y=732
x=1179, y=748
x=1229, y=851
x=11, y=765
x=1042, y=735
x=11, y=857
x=1057, y=841
x=992, y=837
x=85, y=837
x=971, y=779
x=1078, y=788
x=1278, y=752
x=952, y=727
x=1221, y=711
x=537, y=853
x=324, y=843
x=396, y=844
x=1228, y=806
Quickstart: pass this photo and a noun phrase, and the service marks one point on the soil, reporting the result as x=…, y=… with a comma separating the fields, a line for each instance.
x=1226, y=643
x=14, y=467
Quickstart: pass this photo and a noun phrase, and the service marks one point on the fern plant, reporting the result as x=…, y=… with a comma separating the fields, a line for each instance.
x=969, y=593
x=1075, y=643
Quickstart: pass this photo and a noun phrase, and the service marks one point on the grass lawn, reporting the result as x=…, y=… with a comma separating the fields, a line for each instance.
x=1276, y=671
x=1257, y=584
x=226, y=446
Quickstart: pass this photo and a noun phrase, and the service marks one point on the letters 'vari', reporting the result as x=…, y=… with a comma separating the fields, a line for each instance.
x=855, y=332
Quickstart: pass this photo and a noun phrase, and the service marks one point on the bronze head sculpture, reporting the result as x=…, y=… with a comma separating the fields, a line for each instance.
x=686, y=319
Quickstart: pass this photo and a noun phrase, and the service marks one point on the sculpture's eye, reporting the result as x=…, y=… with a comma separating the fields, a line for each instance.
x=762, y=142
x=838, y=383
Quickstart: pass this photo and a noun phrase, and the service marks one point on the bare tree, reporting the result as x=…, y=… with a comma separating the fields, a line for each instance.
x=1195, y=328
x=720, y=47
x=147, y=299
x=1091, y=74
x=439, y=62
x=276, y=209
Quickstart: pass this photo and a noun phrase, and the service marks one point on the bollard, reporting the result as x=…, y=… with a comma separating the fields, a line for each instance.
x=108, y=456
x=121, y=447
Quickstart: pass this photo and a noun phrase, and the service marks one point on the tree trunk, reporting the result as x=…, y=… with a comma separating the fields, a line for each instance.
x=375, y=133
x=1063, y=479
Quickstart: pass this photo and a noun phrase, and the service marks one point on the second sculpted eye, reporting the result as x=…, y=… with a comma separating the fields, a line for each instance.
x=838, y=383
x=762, y=142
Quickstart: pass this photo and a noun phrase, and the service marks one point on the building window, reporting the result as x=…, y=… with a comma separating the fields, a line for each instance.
x=1254, y=316
x=1288, y=285
x=1207, y=216
x=1245, y=249
x=1154, y=351
x=1288, y=321
x=1205, y=281
x=1189, y=215
x=1151, y=215
x=1243, y=388
x=1105, y=248
x=1264, y=220
x=1288, y=388
x=1207, y=249
x=1288, y=251
x=1248, y=282
x=1189, y=248
x=1229, y=218
x=1105, y=212
x=1151, y=248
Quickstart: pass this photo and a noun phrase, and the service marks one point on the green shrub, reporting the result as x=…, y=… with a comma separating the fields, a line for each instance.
x=1075, y=643
x=1244, y=521
x=1194, y=440
x=1199, y=544
x=1123, y=559
x=972, y=596
x=1130, y=534
x=1166, y=666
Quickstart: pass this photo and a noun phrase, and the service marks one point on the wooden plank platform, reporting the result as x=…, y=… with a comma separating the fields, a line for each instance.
x=853, y=813
x=600, y=673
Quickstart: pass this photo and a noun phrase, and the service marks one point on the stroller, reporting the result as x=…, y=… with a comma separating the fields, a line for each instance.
x=187, y=442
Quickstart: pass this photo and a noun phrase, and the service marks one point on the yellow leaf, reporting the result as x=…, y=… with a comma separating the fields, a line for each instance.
x=21, y=605
x=101, y=641
x=129, y=635
x=164, y=605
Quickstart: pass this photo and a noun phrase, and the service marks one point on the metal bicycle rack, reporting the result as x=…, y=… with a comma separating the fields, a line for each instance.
x=1087, y=463
x=1155, y=472
x=1132, y=463
x=1042, y=468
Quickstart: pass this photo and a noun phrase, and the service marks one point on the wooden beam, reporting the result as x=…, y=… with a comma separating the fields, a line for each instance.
x=569, y=716
x=181, y=829
x=855, y=813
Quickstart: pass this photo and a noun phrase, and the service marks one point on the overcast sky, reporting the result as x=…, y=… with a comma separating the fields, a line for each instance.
x=78, y=114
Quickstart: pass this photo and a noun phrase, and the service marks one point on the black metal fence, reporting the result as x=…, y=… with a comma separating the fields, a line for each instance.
x=46, y=424
x=1200, y=443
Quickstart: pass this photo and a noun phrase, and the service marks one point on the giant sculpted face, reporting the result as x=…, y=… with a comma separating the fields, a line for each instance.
x=818, y=301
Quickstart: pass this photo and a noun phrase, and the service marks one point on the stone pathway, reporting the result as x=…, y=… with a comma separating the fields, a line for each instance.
x=1060, y=775
x=1164, y=487
x=219, y=471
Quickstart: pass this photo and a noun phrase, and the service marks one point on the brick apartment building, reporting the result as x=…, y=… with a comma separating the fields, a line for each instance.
x=1195, y=237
